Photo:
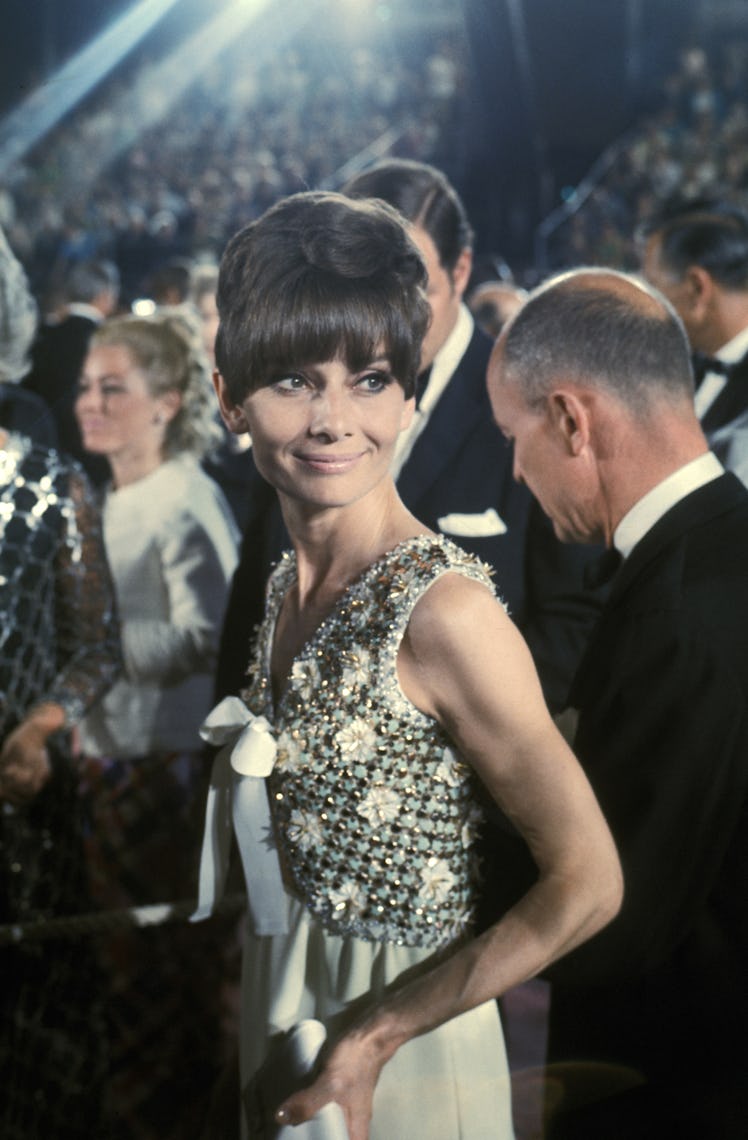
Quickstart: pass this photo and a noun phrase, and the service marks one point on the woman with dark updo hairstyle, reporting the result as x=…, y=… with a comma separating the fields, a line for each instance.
x=386, y=682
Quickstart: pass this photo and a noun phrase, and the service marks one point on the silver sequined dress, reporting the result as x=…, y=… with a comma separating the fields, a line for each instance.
x=58, y=642
x=375, y=819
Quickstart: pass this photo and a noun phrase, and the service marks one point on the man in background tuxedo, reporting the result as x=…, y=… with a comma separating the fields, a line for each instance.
x=697, y=255
x=591, y=383
x=452, y=469
x=90, y=294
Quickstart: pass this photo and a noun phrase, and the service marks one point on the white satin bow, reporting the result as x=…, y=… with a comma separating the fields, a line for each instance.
x=237, y=802
x=254, y=748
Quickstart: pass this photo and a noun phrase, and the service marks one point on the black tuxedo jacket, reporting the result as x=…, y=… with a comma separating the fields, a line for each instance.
x=460, y=466
x=662, y=695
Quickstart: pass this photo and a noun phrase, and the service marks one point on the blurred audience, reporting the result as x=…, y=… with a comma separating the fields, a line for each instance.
x=82, y=301
x=493, y=303
x=696, y=144
x=132, y=177
x=20, y=410
x=145, y=402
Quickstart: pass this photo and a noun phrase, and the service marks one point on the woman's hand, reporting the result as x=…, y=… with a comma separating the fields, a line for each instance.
x=24, y=759
x=348, y=1077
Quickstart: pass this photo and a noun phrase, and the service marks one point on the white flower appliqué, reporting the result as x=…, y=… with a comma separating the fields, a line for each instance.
x=304, y=829
x=348, y=900
x=449, y=770
x=471, y=826
x=290, y=752
x=356, y=668
x=381, y=805
x=305, y=678
x=356, y=739
x=437, y=879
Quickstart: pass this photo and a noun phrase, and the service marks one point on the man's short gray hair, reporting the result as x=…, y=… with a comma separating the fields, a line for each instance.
x=603, y=328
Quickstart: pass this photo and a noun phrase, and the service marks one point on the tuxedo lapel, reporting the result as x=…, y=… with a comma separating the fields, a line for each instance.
x=463, y=402
x=706, y=502
x=731, y=401
x=717, y=497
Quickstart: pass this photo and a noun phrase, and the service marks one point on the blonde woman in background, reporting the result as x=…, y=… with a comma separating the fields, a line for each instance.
x=145, y=403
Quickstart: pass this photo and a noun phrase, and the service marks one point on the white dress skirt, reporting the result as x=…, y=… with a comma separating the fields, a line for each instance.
x=450, y=1084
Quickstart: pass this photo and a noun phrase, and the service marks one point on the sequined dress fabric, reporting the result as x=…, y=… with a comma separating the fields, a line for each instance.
x=58, y=642
x=375, y=818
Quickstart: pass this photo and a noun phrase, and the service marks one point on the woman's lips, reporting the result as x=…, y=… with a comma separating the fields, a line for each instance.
x=330, y=464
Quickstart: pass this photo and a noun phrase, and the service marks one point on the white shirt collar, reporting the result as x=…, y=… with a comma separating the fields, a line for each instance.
x=447, y=358
x=657, y=502
x=442, y=370
x=81, y=309
x=736, y=348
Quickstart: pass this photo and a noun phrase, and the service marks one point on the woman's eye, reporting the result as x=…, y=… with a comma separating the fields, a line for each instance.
x=375, y=381
x=291, y=383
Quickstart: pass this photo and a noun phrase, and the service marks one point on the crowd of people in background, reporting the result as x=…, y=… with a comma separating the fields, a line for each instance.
x=694, y=145
x=130, y=177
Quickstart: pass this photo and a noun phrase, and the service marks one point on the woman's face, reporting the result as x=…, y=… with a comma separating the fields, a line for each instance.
x=115, y=410
x=322, y=434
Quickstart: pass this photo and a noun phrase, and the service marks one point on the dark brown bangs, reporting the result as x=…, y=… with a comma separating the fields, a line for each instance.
x=321, y=317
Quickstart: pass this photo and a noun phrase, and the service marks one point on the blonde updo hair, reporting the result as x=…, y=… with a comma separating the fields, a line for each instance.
x=168, y=349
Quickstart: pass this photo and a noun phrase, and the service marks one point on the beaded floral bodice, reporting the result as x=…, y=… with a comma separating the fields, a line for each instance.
x=374, y=811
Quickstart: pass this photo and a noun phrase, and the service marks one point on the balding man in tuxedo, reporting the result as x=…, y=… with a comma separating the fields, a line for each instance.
x=591, y=382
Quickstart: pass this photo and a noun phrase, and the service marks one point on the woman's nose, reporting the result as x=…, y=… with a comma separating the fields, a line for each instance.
x=330, y=415
x=88, y=399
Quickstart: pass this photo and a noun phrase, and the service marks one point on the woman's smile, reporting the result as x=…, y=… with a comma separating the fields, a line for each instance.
x=330, y=464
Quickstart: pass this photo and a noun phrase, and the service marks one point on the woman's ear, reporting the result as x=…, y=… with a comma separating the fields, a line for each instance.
x=170, y=403
x=233, y=415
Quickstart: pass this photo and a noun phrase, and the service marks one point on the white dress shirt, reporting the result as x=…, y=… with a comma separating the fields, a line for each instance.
x=713, y=382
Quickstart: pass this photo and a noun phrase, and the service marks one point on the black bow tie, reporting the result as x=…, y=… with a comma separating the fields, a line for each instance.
x=704, y=364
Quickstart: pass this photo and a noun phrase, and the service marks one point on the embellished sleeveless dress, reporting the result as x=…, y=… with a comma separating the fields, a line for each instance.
x=375, y=818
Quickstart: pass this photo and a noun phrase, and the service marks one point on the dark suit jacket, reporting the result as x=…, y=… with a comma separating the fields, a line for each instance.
x=461, y=465
x=56, y=361
x=26, y=413
x=663, y=735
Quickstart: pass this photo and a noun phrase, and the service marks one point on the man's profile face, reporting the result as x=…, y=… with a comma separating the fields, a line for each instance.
x=444, y=292
x=542, y=459
x=675, y=289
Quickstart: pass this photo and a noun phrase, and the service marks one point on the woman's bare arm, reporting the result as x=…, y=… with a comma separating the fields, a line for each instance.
x=464, y=663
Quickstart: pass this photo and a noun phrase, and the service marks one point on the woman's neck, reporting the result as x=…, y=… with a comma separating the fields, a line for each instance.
x=333, y=547
x=131, y=468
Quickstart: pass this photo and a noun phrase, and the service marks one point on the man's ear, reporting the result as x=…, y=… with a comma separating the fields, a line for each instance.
x=233, y=415
x=571, y=418
x=461, y=272
x=698, y=291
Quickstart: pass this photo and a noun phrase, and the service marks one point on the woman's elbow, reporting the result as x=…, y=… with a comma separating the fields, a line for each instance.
x=607, y=890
